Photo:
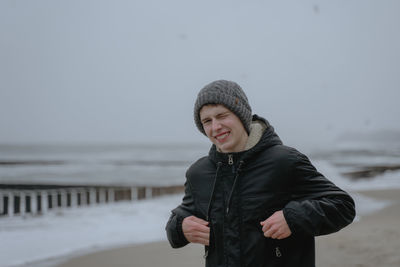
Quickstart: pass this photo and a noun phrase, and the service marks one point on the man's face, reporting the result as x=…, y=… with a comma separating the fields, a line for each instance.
x=223, y=128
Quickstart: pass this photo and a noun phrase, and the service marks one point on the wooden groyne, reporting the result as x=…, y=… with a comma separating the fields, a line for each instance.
x=40, y=199
x=370, y=171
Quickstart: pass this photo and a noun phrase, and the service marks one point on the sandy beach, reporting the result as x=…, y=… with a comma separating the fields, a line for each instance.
x=373, y=240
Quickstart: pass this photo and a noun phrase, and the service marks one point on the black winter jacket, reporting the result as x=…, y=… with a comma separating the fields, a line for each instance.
x=236, y=191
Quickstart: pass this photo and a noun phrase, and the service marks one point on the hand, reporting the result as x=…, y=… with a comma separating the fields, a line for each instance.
x=196, y=230
x=276, y=226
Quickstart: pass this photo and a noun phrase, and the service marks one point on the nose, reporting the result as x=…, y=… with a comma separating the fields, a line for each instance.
x=216, y=125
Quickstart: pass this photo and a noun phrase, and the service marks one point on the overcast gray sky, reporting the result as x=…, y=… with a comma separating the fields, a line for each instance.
x=129, y=71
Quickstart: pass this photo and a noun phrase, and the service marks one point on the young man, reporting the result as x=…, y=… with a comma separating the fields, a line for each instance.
x=252, y=201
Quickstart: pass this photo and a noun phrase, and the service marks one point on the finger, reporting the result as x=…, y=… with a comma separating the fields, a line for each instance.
x=195, y=222
x=195, y=227
x=202, y=228
x=198, y=220
x=281, y=236
x=196, y=237
x=270, y=232
x=199, y=241
x=266, y=226
x=267, y=234
x=204, y=236
x=276, y=234
x=284, y=235
x=205, y=240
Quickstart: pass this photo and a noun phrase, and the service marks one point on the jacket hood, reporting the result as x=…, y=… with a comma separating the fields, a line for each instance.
x=260, y=138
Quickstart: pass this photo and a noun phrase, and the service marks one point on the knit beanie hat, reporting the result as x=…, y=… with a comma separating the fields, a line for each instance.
x=226, y=93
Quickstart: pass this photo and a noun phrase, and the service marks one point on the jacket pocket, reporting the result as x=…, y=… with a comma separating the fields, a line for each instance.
x=279, y=249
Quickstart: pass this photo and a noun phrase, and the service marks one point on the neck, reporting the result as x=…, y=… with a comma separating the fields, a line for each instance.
x=243, y=142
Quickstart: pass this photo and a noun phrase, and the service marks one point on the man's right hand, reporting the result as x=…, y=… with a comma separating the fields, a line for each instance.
x=196, y=230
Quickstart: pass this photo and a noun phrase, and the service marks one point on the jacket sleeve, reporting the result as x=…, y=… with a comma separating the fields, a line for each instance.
x=174, y=225
x=318, y=206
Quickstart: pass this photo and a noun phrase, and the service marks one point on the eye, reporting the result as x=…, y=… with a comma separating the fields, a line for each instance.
x=206, y=121
x=223, y=115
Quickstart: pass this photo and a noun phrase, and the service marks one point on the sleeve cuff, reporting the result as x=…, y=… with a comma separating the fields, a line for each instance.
x=179, y=230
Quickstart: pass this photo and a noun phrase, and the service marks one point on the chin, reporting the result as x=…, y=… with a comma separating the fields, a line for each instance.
x=225, y=149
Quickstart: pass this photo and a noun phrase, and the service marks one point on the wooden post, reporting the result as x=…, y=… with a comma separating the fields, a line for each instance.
x=45, y=203
x=10, y=204
x=22, y=202
x=102, y=195
x=134, y=193
x=74, y=198
x=1, y=202
x=148, y=192
x=83, y=197
x=63, y=198
x=111, y=195
x=54, y=200
x=92, y=196
x=34, y=204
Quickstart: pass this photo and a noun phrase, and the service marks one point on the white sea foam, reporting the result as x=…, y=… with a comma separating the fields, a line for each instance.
x=387, y=180
x=80, y=230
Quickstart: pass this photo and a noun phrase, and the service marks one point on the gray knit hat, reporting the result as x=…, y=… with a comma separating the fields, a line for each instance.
x=226, y=93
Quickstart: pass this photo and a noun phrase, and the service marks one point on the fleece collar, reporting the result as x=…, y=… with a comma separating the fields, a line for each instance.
x=257, y=129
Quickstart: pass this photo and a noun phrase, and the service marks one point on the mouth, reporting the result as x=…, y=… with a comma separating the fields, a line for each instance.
x=222, y=137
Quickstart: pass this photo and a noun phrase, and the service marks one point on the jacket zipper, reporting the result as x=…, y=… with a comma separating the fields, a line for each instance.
x=206, y=248
x=219, y=164
x=233, y=186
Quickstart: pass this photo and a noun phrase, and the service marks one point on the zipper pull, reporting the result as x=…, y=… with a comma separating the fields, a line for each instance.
x=278, y=252
x=230, y=159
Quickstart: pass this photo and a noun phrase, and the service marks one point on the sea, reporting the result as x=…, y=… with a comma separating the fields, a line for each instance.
x=46, y=240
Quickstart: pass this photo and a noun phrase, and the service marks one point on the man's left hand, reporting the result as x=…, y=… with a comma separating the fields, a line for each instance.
x=276, y=226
